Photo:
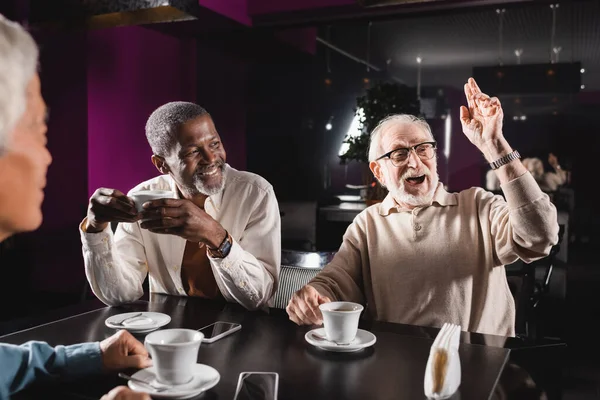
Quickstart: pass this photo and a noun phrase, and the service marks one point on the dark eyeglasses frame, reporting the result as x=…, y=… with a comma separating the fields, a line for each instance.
x=408, y=149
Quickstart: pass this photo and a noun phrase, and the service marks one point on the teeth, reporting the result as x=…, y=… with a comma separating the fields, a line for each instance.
x=211, y=171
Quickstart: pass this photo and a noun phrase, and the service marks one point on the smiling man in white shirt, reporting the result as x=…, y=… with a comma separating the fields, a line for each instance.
x=220, y=237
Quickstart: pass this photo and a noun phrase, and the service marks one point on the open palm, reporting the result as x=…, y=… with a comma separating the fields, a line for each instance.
x=482, y=121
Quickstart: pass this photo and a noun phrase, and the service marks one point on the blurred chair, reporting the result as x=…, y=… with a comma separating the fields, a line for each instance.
x=298, y=225
x=530, y=284
x=297, y=269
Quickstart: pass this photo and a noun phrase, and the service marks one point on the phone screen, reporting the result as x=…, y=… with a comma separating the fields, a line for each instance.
x=216, y=329
x=257, y=386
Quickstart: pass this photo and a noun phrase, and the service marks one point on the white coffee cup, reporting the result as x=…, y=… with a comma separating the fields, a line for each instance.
x=340, y=320
x=174, y=353
x=139, y=198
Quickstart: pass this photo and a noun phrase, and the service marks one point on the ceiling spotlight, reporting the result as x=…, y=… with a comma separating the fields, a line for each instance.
x=582, y=70
x=419, y=59
x=329, y=125
x=523, y=117
x=582, y=87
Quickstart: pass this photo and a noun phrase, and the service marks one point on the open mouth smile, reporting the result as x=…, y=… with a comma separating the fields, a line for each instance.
x=415, y=180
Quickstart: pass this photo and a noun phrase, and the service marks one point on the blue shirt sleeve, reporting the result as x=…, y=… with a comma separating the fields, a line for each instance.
x=31, y=361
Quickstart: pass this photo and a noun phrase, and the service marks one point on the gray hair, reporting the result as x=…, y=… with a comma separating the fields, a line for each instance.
x=375, y=148
x=162, y=126
x=18, y=65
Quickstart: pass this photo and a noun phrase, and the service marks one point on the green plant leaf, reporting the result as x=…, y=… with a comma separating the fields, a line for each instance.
x=381, y=100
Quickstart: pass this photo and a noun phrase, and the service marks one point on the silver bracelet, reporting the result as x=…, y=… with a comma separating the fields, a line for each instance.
x=514, y=155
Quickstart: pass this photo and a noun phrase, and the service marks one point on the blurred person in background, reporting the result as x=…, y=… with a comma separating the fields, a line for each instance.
x=24, y=161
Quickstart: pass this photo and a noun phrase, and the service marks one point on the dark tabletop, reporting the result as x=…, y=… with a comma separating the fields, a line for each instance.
x=392, y=368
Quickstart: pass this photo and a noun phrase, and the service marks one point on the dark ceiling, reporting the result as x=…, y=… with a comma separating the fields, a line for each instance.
x=451, y=43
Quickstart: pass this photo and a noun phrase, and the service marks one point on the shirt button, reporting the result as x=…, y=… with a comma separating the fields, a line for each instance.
x=418, y=227
x=242, y=284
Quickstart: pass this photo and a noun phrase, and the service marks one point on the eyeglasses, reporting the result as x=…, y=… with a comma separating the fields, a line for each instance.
x=425, y=151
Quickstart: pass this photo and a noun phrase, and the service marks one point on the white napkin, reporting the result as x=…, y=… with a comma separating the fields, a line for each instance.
x=442, y=374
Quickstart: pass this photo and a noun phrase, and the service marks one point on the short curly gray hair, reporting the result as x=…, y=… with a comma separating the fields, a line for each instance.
x=161, y=127
x=375, y=149
x=18, y=65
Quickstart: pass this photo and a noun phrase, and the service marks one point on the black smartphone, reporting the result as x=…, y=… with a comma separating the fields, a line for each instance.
x=218, y=330
x=257, y=386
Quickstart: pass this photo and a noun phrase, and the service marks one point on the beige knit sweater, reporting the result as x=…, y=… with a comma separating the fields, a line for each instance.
x=443, y=262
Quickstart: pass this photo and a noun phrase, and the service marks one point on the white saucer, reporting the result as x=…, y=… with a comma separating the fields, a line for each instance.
x=147, y=322
x=205, y=377
x=363, y=339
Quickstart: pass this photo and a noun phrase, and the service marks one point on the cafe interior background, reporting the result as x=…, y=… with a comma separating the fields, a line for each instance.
x=281, y=80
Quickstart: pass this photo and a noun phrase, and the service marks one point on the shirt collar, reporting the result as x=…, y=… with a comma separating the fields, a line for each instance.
x=441, y=196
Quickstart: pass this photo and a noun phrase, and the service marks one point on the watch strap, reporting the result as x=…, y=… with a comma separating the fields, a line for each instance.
x=513, y=155
x=224, y=248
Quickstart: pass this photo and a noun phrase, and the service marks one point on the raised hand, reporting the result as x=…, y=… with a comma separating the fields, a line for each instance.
x=482, y=120
x=183, y=218
x=108, y=205
x=303, y=308
x=552, y=160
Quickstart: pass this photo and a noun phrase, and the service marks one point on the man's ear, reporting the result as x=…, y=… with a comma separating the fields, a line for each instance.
x=375, y=168
x=160, y=164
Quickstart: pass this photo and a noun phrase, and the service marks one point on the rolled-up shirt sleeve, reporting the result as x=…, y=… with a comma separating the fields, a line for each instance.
x=115, y=269
x=250, y=273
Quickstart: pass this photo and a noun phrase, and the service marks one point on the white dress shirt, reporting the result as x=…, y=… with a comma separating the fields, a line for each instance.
x=116, y=265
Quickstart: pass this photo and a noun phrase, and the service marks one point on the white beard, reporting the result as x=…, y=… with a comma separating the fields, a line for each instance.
x=402, y=197
x=200, y=188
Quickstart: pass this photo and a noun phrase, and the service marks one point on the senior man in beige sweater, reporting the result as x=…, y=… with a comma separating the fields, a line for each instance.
x=425, y=256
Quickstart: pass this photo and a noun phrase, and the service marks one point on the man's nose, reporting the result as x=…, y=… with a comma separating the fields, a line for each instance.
x=209, y=156
x=47, y=156
x=413, y=159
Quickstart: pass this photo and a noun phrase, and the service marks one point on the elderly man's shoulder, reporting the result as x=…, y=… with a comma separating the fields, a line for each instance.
x=476, y=194
x=247, y=179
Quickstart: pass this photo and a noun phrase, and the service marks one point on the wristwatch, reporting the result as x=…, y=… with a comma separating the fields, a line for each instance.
x=505, y=160
x=224, y=248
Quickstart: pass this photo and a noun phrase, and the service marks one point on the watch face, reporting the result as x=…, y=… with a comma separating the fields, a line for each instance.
x=225, y=247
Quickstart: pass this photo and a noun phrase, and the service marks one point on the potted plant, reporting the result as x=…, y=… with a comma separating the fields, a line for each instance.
x=379, y=101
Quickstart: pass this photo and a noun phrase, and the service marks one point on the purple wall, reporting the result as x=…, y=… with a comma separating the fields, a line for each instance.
x=131, y=71
x=222, y=81
x=273, y=6
x=466, y=161
x=52, y=254
x=234, y=9
x=63, y=75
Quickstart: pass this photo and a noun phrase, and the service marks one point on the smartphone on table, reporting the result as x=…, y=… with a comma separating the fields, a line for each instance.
x=257, y=386
x=218, y=330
